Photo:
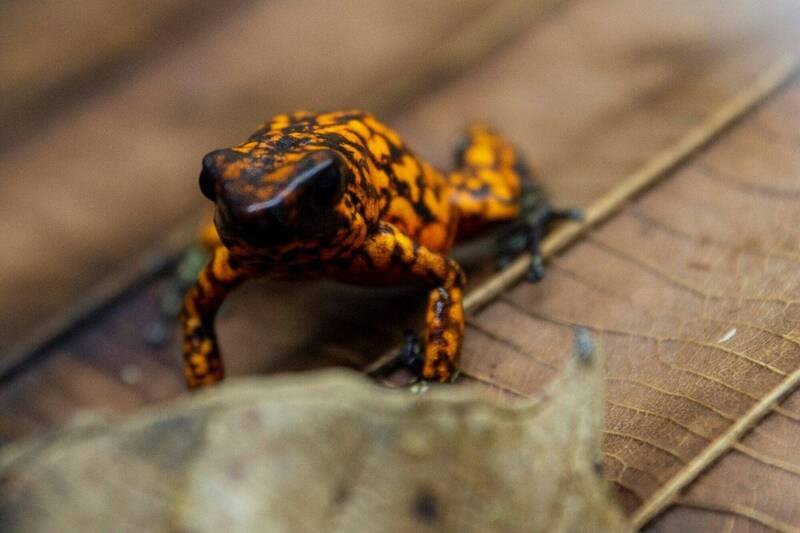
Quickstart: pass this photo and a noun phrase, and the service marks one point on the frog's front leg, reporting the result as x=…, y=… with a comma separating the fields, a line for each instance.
x=207, y=235
x=202, y=363
x=393, y=256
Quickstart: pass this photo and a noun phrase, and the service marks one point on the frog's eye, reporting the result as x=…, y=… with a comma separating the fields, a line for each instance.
x=322, y=179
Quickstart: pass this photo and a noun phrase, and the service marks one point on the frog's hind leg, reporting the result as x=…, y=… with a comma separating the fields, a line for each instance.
x=493, y=184
x=536, y=214
x=487, y=181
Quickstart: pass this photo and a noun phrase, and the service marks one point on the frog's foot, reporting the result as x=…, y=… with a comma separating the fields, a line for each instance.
x=413, y=355
x=574, y=213
x=181, y=278
x=527, y=236
x=411, y=359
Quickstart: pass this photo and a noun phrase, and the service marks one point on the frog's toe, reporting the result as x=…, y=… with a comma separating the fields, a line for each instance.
x=575, y=213
x=463, y=143
x=536, y=270
x=525, y=238
x=510, y=244
x=502, y=261
x=412, y=356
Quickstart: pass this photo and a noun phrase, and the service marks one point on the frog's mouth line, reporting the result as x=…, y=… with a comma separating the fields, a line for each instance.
x=277, y=227
x=261, y=228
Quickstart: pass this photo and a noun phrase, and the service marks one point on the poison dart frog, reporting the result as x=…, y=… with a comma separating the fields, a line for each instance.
x=340, y=195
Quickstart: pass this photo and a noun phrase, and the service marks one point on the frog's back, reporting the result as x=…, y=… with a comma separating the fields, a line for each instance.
x=406, y=191
x=417, y=198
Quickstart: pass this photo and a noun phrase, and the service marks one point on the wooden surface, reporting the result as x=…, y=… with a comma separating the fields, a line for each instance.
x=591, y=92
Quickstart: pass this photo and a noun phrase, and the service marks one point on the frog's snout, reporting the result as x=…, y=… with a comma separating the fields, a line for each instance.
x=267, y=226
x=261, y=207
x=211, y=172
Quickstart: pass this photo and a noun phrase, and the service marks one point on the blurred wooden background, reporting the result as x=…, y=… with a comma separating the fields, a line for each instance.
x=107, y=108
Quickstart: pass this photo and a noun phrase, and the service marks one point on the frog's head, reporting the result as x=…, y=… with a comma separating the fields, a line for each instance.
x=268, y=201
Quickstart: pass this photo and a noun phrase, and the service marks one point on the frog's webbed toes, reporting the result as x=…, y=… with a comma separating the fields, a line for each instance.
x=412, y=357
x=527, y=235
x=536, y=269
x=509, y=245
x=462, y=144
x=575, y=213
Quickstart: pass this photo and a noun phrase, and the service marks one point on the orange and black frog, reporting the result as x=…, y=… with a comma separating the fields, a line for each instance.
x=340, y=195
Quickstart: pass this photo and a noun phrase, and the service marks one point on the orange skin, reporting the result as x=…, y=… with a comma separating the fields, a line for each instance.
x=339, y=195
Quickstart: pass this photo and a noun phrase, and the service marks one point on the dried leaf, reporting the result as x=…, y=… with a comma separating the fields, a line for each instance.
x=693, y=290
x=323, y=452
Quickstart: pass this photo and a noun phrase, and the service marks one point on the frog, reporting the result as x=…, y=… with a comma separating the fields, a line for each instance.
x=340, y=195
